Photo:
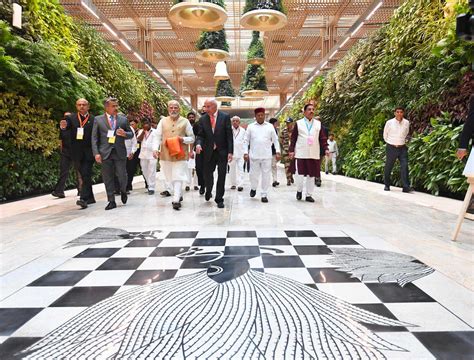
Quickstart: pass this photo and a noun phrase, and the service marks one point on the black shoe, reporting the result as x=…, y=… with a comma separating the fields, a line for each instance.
x=264, y=199
x=208, y=196
x=90, y=201
x=292, y=180
x=202, y=190
x=277, y=183
x=253, y=193
x=220, y=205
x=58, y=195
x=151, y=192
x=299, y=195
x=408, y=190
x=124, y=198
x=196, y=187
x=180, y=199
x=232, y=187
x=82, y=203
x=309, y=199
x=176, y=206
x=240, y=188
x=111, y=205
x=334, y=173
x=165, y=193
x=187, y=188
x=327, y=172
x=288, y=183
x=274, y=184
x=386, y=188
x=318, y=182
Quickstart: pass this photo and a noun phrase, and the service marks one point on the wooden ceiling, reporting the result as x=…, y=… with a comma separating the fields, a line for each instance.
x=292, y=53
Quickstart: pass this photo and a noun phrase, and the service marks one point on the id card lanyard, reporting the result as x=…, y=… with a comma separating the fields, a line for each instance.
x=80, y=129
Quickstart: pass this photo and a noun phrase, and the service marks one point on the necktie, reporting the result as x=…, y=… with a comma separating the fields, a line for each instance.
x=213, y=122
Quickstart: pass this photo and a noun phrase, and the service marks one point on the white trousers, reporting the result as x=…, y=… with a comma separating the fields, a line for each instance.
x=260, y=168
x=177, y=190
x=149, y=172
x=274, y=168
x=236, y=172
x=299, y=180
x=331, y=157
x=192, y=177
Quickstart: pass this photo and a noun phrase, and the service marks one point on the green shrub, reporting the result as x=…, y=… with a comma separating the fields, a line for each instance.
x=256, y=49
x=212, y=40
x=254, y=78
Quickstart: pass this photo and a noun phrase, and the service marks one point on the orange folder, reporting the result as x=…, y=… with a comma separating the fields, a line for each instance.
x=174, y=147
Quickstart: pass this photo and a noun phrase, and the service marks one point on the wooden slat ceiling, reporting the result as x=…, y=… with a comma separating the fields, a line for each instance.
x=292, y=53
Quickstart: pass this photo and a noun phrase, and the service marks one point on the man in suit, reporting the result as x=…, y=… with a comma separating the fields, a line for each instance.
x=76, y=130
x=215, y=142
x=108, y=145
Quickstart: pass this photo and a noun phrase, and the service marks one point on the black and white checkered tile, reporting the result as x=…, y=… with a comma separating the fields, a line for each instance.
x=282, y=293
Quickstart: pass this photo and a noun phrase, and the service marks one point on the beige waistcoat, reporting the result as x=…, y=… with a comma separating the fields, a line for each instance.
x=171, y=129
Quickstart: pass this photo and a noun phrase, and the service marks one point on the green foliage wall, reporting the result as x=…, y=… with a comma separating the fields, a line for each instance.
x=39, y=81
x=415, y=61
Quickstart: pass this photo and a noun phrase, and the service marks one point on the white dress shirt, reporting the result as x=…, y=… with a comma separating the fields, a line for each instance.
x=396, y=132
x=332, y=147
x=131, y=144
x=146, y=151
x=239, y=142
x=260, y=138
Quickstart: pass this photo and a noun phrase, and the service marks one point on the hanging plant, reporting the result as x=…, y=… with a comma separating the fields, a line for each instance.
x=254, y=82
x=256, y=53
x=212, y=46
x=224, y=90
x=263, y=15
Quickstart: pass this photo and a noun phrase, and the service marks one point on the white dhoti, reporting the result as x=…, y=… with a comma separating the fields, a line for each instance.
x=175, y=173
x=274, y=168
x=149, y=172
x=260, y=168
x=300, y=180
x=236, y=172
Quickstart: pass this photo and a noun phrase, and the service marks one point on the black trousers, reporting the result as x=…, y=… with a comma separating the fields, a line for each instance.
x=132, y=166
x=65, y=164
x=85, y=168
x=219, y=160
x=200, y=169
x=394, y=153
x=111, y=167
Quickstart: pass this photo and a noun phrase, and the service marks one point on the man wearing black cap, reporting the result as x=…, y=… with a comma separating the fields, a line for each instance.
x=259, y=138
x=285, y=143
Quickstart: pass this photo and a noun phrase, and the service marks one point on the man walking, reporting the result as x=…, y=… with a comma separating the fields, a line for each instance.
x=147, y=158
x=275, y=124
x=285, y=143
x=333, y=154
x=395, y=135
x=259, y=138
x=215, y=141
x=108, y=145
x=306, y=139
x=172, y=135
x=236, y=172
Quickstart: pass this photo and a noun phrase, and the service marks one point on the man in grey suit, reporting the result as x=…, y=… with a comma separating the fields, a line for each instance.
x=108, y=145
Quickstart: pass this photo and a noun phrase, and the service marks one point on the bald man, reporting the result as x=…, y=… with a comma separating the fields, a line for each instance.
x=76, y=129
x=216, y=144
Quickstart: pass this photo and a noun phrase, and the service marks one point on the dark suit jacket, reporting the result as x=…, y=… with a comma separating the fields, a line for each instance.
x=100, y=142
x=468, y=129
x=222, y=135
x=78, y=149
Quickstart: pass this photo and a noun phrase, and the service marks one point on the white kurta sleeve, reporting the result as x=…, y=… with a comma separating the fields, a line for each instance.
x=275, y=140
x=189, y=138
x=386, y=130
x=134, y=143
x=157, y=137
x=246, y=140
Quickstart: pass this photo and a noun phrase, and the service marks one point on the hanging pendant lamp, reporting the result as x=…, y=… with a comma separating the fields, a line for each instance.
x=198, y=14
x=212, y=46
x=263, y=15
x=224, y=91
x=256, y=53
x=253, y=82
x=221, y=71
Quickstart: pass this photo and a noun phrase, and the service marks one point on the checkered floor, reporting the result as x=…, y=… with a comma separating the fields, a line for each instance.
x=98, y=271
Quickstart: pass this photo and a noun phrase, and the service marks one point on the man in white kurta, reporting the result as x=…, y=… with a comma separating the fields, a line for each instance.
x=175, y=167
x=259, y=138
x=147, y=160
x=333, y=154
x=237, y=164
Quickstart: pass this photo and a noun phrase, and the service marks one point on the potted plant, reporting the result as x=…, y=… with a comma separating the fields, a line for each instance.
x=207, y=14
x=254, y=83
x=224, y=91
x=263, y=15
x=226, y=105
x=256, y=53
x=212, y=46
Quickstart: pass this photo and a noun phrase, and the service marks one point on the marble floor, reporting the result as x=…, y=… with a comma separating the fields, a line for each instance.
x=360, y=273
